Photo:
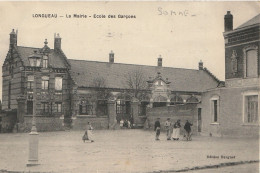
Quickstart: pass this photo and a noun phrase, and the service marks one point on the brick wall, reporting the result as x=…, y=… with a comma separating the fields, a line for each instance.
x=43, y=123
x=97, y=122
x=175, y=112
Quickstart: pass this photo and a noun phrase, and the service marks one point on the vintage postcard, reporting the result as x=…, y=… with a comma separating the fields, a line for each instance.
x=129, y=87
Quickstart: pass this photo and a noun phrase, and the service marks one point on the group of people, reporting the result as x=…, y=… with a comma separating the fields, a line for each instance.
x=172, y=130
x=125, y=124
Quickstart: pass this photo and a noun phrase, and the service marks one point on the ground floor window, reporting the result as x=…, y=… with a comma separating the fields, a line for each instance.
x=214, y=106
x=45, y=108
x=251, y=109
x=101, y=107
x=59, y=107
x=86, y=108
x=159, y=104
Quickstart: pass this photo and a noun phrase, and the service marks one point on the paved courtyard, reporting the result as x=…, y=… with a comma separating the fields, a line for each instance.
x=123, y=151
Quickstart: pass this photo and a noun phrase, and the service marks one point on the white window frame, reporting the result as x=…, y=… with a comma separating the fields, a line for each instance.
x=45, y=61
x=56, y=86
x=244, y=115
x=245, y=49
x=212, y=99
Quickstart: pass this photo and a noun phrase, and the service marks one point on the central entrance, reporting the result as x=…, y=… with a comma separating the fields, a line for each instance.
x=123, y=110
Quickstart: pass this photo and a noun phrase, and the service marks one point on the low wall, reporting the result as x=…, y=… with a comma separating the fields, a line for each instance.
x=174, y=112
x=97, y=122
x=42, y=124
x=9, y=119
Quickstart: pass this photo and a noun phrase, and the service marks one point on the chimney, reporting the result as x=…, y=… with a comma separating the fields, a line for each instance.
x=111, y=57
x=200, y=65
x=57, y=41
x=228, y=21
x=159, y=64
x=13, y=39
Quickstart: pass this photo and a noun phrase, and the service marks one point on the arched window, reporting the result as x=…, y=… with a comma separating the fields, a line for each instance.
x=250, y=61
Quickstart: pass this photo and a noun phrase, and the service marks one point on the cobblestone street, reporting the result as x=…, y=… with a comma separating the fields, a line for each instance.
x=122, y=151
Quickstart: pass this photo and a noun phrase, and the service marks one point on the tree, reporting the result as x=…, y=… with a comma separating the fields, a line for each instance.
x=135, y=81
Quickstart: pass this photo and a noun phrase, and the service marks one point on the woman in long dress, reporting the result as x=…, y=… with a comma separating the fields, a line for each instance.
x=88, y=133
x=176, y=130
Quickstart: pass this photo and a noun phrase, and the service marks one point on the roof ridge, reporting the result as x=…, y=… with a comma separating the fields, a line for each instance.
x=211, y=74
x=31, y=47
x=247, y=23
x=132, y=64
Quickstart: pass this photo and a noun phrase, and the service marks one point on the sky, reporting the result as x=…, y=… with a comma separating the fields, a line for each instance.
x=183, y=33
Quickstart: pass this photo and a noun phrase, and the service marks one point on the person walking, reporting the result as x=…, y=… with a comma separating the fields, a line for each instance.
x=176, y=130
x=167, y=126
x=187, y=128
x=89, y=129
x=157, y=129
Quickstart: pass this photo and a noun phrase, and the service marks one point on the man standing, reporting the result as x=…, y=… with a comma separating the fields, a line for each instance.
x=157, y=128
x=168, y=128
x=187, y=127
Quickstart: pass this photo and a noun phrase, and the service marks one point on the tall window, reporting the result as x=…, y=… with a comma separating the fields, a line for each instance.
x=45, y=107
x=9, y=95
x=45, y=62
x=45, y=83
x=102, y=107
x=250, y=61
x=120, y=106
x=58, y=83
x=214, y=106
x=30, y=107
x=251, y=108
x=30, y=80
x=59, y=107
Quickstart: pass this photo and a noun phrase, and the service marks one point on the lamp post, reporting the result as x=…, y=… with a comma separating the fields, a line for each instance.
x=33, y=135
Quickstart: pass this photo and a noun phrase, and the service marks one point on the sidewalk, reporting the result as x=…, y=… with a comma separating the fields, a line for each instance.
x=122, y=151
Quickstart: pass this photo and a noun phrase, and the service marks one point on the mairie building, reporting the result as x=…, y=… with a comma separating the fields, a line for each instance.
x=67, y=93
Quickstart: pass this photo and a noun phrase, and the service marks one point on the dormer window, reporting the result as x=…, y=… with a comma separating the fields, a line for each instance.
x=35, y=59
x=45, y=62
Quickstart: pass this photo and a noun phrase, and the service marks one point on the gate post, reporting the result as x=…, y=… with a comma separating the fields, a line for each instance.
x=112, y=122
x=20, y=111
x=135, y=110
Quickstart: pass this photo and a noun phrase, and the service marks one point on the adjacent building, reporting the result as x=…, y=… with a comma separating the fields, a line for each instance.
x=234, y=109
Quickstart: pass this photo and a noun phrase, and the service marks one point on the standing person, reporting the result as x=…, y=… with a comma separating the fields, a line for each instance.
x=187, y=128
x=89, y=130
x=176, y=130
x=157, y=129
x=121, y=123
x=168, y=128
x=85, y=136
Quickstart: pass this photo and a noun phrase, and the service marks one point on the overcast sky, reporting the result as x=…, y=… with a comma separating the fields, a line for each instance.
x=181, y=40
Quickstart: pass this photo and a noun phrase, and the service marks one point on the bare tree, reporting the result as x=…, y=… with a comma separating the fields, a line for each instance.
x=99, y=82
x=136, y=81
x=101, y=91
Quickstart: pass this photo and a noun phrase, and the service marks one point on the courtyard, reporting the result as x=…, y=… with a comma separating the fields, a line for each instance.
x=124, y=151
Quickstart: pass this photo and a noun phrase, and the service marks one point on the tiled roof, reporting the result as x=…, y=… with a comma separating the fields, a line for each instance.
x=253, y=21
x=84, y=73
x=56, y=60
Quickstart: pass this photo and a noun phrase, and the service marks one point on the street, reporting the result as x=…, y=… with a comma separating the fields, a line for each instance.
x=123, y=151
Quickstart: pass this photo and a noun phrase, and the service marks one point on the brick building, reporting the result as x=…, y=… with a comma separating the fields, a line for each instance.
x=234, y=109
x=60, y=90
